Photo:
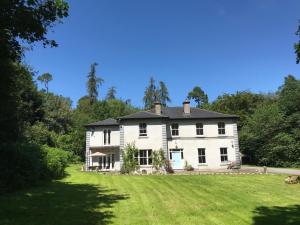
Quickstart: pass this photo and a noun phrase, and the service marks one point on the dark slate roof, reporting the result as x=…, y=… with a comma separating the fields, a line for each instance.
x=177, y=113
x=143, y=115
x=107, y=122
x=196, y=113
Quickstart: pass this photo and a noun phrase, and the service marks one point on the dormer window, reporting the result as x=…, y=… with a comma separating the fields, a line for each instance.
x=175, y=129
x=143, y=129
x=221, y=128
x=106, y=137
x=199, y=128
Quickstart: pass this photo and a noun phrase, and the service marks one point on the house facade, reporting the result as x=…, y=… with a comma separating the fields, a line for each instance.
x=203, y=139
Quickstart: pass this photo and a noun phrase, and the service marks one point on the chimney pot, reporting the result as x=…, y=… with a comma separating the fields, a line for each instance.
x=157, y=106
x=186, y=107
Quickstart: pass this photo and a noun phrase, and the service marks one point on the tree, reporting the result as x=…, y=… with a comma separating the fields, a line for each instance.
x=198, y=95
x=45, y=79
x=27, y=21
x=163, y=94
x=297, y=45
x=93, y=84
x=21, y=21
x=242, y=103
x=151, y=94
x=111, y=93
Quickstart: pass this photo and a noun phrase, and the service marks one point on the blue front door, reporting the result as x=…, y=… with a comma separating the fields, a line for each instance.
x=176, y=159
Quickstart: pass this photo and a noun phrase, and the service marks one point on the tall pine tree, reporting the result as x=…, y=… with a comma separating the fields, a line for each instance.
x=163, y=94
x=151, y=94
x=93, y=84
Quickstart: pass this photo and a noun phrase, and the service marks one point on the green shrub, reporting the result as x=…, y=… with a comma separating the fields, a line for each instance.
x=158, y=159
x=21, y=165
x=56, y=161
x=130, y=164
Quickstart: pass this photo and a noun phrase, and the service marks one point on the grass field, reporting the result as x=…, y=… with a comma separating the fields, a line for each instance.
x=91, y=199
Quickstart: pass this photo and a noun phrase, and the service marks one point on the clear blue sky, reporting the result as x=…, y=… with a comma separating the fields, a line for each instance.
x=221, y=45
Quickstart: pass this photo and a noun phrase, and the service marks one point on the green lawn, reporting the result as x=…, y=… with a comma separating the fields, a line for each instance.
x=90, y=199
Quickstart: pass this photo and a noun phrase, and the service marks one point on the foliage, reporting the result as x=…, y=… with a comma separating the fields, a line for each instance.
x=45, y=79
x=93, y=84
x=58, y=112
x=158, y=159
x=187, y=166
x=199, y=96
x=56, y=161
x=297, y=45
x=27, y=21
x=154, y=93
x=168, y=166
x=21, y=103
x=242, y=103
x=111, y=93
x=151, y=94
x=163, y=94
x=130, y=163
x=21, y=165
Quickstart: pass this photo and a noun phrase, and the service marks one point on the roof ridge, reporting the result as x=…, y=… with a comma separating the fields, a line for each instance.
x=215, y=112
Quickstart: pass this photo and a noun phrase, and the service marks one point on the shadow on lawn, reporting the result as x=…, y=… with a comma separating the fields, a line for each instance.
x=277, y=215
x=59, y=204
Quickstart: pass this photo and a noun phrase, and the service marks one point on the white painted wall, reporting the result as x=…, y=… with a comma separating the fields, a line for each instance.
x=187, y=128
x=189, y=141
x=212, y=150
x=153, y=140
x=97, y=136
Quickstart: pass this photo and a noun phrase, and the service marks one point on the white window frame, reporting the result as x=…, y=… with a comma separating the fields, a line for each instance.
x=106, y=136
x=176, y=130
x=201, y=156
x=143, y=129
x=200, y=129
x=147, y=158
x=224, y=155
x=221, y=128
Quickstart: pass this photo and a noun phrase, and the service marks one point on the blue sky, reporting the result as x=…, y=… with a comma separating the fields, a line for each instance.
x=221, y=45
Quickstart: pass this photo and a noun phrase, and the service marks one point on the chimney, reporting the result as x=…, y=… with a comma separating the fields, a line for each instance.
x=157, y=107
x=186, y=107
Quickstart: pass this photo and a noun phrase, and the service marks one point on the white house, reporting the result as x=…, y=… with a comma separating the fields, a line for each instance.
x=202, y=138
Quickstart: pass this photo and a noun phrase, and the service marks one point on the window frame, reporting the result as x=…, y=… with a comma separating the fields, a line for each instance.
x=144, y=159
x=175, y=131
x=202, y=156
x=199, y=130
x=143, y=129
x=221, y=128
x=224, y=156
x=106, y=136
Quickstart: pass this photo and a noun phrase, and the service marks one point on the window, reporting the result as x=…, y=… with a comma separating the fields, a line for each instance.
x=144, y=157
x=174, y=128
x=221, y=128
x=201, y=155
x=199, y=128
x=224, y=156
x=107, y=137
x=143, y=129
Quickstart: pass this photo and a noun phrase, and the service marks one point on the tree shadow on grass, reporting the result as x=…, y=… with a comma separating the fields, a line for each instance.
x=60, y=204
x=277, y=215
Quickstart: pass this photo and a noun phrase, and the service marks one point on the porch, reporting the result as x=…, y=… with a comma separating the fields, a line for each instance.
x=104, y=158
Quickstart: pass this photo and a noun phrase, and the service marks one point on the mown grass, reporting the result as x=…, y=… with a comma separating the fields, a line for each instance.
x=92, y=199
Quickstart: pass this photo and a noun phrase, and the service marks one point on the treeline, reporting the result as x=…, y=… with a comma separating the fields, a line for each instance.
x=269, y=125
